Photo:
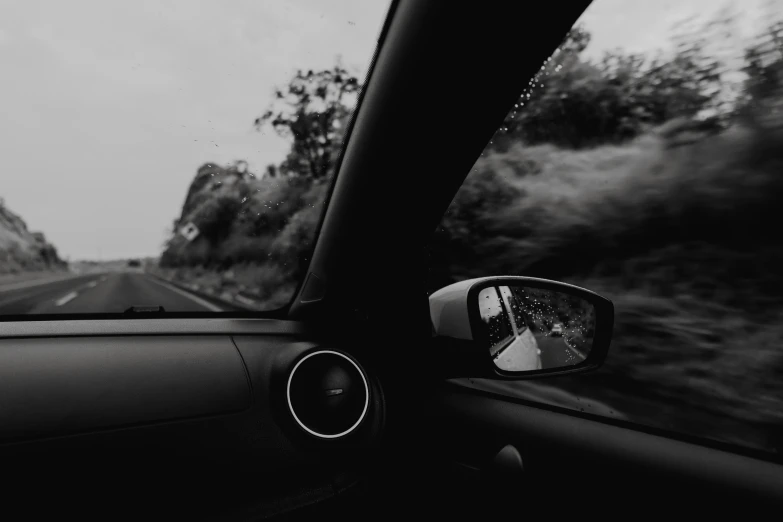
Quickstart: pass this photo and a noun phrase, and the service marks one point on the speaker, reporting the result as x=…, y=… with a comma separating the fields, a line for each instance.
x=328, y=394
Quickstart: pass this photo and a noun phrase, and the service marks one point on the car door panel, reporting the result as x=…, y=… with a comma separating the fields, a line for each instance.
x=575, y=457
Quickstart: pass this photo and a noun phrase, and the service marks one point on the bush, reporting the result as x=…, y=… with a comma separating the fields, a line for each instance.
x=582, y=211
x=682, y=240
x=262, y=228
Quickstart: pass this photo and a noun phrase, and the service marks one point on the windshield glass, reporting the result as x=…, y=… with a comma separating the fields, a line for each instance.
x=171, y=154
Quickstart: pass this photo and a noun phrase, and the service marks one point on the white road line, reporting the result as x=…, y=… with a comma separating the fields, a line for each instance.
x=66, y=298
x=92, y=284
x=575, y=351
x=192, y=297
x=41, y=281
x=245, y=300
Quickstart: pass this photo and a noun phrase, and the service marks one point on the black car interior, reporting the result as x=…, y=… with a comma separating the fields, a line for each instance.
x=226, y=418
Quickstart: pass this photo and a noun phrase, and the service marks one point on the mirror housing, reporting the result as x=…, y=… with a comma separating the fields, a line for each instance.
x=460, y=337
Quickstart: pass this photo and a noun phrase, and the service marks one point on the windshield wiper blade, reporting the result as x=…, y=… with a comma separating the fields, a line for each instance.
x=145, y=310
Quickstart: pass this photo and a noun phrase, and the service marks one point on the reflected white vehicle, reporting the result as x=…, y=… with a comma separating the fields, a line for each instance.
x=516, y=348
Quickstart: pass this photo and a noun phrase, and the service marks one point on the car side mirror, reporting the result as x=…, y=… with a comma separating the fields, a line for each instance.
x=518, y=328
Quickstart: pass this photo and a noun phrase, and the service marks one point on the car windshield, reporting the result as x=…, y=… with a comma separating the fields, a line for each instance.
x=171, y=157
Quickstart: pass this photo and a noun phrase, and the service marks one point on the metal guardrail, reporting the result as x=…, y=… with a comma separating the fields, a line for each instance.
x=231, y=299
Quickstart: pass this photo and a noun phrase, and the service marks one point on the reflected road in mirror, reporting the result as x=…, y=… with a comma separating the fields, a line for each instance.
x=532, y=329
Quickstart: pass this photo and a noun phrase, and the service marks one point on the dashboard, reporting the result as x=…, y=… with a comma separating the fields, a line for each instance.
x=255, y=422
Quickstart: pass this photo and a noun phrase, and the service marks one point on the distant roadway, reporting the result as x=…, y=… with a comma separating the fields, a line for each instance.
x=112, y=292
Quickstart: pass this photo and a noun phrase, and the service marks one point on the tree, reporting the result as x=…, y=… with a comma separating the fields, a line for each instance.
x=574, y=102
x=565, y=56
x=313, y=111
x=762, y=103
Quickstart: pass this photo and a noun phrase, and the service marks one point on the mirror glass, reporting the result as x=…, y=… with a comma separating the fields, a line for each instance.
x=533, y=329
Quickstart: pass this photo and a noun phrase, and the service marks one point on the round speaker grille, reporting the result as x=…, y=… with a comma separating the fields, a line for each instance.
x=327, y=394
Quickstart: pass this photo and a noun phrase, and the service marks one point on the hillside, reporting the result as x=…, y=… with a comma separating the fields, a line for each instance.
x=252, y=237
x=22, y=250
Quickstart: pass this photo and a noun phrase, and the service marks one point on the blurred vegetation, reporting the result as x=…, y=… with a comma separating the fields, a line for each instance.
x=540, y=310
x=652, y=178
x=256, y=231
x=313, y=110
x=655, y=181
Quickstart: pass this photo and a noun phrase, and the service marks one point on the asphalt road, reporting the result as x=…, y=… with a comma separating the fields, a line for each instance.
x=555, y=353
x=101, y=293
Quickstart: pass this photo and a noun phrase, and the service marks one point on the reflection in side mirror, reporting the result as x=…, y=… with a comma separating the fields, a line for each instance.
x=528, y=328
x=518, y=328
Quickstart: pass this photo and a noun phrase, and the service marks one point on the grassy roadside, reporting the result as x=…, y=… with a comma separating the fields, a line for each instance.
x=239, y=285
x=683, y=241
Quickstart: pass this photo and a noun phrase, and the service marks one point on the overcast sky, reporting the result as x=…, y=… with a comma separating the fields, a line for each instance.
x=109, y=107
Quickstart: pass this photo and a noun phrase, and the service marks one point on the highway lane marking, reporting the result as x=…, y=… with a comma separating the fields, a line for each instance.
x=245, y=300
x=195, y=299
x=28, y=288
x=66, y=298
x=34, y=283
x=574, y=351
